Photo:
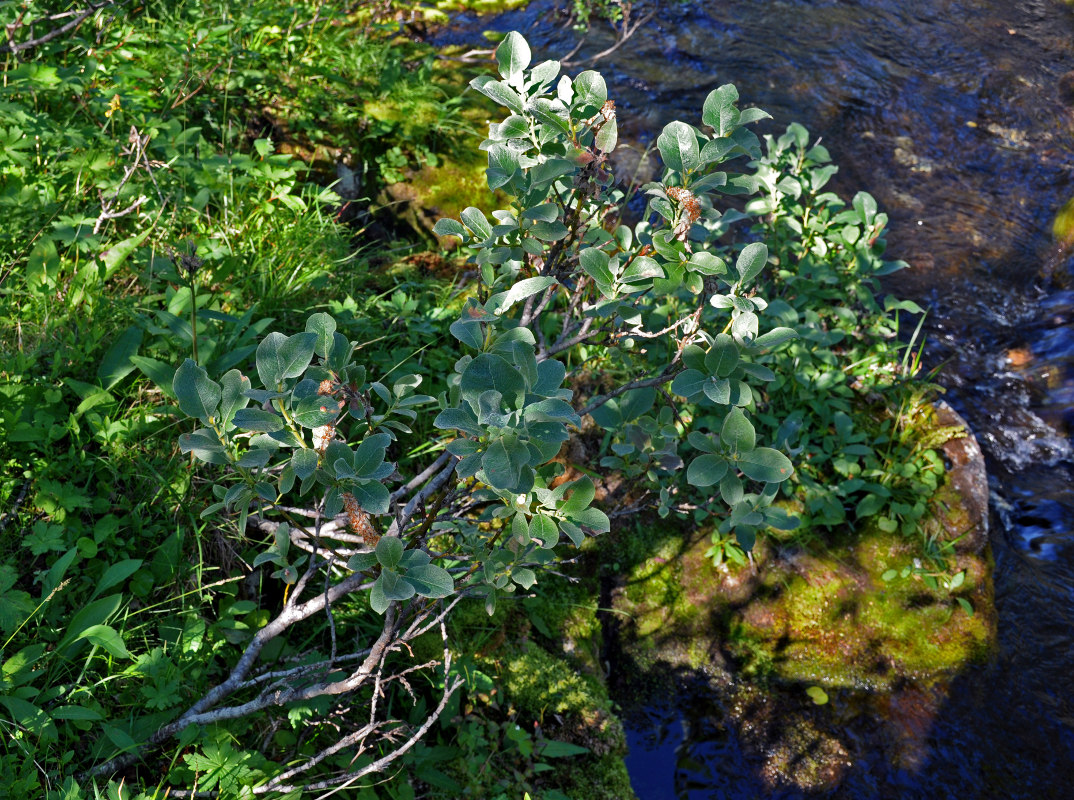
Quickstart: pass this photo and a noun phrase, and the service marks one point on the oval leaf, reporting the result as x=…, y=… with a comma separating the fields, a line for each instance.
x=737, y=432
x=389, y=551
x=198, y=395
x=766, y=464
x=322, y=326
x=751, y=261
x=706, y=470
x=430, y=580
x=513, y=56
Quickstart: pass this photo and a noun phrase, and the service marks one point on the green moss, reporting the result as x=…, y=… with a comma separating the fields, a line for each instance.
x=573, y=707
x=439, y=191
x=603, y=778
x=537, y=683
x=482, y=6
x=832, y=620
x=565, y=614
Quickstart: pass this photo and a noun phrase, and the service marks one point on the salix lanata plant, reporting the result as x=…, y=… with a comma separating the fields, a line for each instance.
x=665, y=307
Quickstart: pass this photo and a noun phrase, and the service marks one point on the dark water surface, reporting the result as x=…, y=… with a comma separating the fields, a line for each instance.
x=949, y=113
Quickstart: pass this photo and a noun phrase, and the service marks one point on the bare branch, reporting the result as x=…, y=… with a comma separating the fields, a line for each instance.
x=667, y=375
x=81, y=16
x=359, y=736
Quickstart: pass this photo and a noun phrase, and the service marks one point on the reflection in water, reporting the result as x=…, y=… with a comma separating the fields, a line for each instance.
x=953, y=115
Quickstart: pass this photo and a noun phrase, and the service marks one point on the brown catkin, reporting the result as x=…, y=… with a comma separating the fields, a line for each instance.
x=358, y=521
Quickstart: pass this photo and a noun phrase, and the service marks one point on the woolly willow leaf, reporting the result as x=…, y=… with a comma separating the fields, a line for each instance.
x=543, y=529
x=689, y=383
x=304, y=462
x=395, y=586
x=458, y=419
x=767, y=465
x=551, y=115
x=198, y=395
x=315, y=411
x=513, y=56
x=774, y=337
x=204, y=445
x=296, y=353
x=449, y=227
x=546, y=212
x=678, y=147
x=499, y=92
x=544, y=73
x=378, y=601
x=372, y=496
x=582, y=493
x=607, y=137
x=389, y=551
x=594, y=519
x=706, y=470
x=503, y=464
x=642, y=268
x=524, y=577
x=255, y=458
x=590, y=92
x=468, y=332
x=477, y=222
x=707, y=264
x=737, y=432
x=233, y=388
x=748, y=115
x=719, y=111
x=360, y=562
x=430, y=580
x=595, y=263
x=500, y=303
x=700, y=441
x=489, y=371
x=513, y=127
x=744, y=327
x=258, y=419
x=722, y=359
x=270, y=366
x=549, y=231
x=751, y=261
x=323, y=326
x=370, y=454
x=731, y=490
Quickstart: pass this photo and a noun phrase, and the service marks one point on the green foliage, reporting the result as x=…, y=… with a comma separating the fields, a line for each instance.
x=846, y=401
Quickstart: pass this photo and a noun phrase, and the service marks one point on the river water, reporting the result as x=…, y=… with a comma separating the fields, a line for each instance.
x=952, y=115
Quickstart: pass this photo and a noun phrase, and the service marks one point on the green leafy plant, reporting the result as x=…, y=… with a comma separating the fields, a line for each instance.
x=487, y=515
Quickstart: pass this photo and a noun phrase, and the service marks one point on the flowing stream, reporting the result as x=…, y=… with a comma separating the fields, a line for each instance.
x=952, y=115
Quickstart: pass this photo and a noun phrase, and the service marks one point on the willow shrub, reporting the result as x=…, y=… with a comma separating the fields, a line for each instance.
x=668, y=317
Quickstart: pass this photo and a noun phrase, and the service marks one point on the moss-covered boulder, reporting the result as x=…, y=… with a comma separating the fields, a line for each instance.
x=865, y=618
x=438, y=191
